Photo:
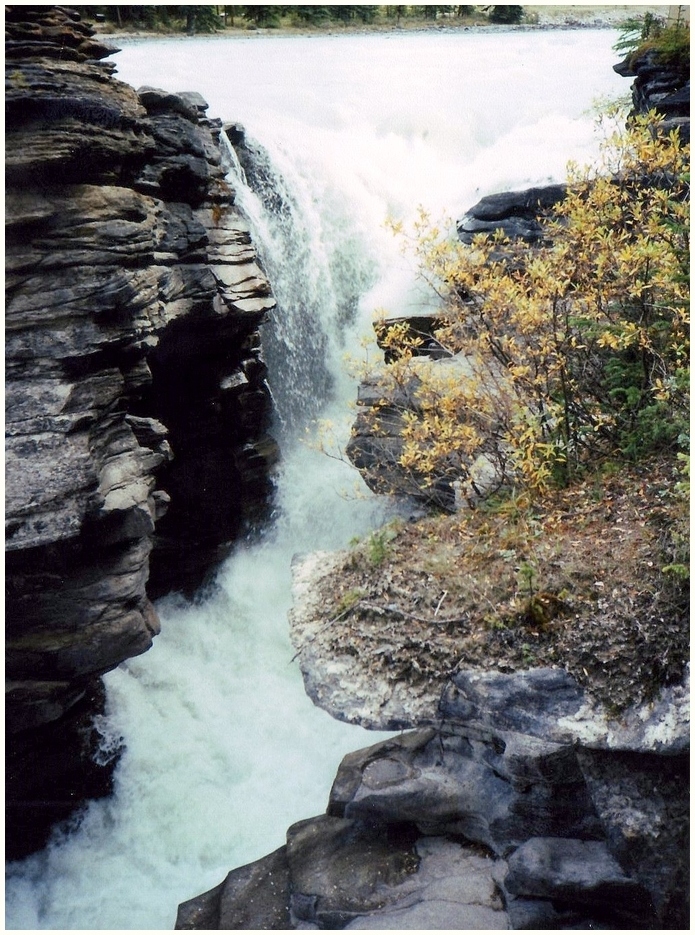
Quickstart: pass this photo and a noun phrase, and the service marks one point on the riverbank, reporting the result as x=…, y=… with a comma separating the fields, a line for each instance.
x=608, y=16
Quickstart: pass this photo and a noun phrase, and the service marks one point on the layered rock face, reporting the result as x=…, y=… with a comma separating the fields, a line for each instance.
x=134, y=387
x=659, y=86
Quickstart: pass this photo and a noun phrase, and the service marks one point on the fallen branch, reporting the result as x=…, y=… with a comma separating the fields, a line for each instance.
x=383, y=610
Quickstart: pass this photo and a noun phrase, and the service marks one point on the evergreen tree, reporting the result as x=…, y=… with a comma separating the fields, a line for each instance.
x=200, y=18
x=505, y=14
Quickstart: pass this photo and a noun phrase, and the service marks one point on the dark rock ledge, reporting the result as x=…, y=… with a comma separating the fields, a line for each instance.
x=659, y=86
x=136, y=402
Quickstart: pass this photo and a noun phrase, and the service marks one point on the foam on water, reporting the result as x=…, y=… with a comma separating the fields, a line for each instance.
x=223, y=749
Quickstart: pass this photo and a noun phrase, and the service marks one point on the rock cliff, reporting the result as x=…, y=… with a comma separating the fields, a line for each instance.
x=661, y=86
x=136, y=404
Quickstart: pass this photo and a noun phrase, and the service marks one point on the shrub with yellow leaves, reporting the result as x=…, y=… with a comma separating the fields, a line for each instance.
x=564, y=353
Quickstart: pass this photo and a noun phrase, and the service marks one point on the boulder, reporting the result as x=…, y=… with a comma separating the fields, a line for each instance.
x=491, y=789
x=518, y=215
x=549, y=704
x=339, y=683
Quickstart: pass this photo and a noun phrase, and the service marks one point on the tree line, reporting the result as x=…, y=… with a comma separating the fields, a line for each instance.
x=211, y=18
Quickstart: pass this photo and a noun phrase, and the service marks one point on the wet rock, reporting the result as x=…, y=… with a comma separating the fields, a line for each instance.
x=61, y=742
x=502, y=759
x=340, y=869
x=253, y=897
x=342, y=874
x=466, y=824
x=450, y=783
x=577, y=872
x=517, y=215
x=453, y=888
x=522, y=701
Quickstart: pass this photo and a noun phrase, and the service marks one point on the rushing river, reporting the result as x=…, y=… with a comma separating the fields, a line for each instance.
x=224, y=750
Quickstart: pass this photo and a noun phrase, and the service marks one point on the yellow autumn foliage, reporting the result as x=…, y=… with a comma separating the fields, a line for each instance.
x=566, y=352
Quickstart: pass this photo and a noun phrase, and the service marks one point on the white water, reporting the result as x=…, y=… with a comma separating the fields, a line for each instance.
x=224, y=750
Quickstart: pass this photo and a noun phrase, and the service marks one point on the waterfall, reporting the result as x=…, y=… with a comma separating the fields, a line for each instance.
x=317, y=279
x=223, y=749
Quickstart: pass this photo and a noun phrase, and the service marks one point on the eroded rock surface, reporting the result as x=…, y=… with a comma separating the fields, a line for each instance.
x=518, y=802
x=468, y=826
x=134, y=382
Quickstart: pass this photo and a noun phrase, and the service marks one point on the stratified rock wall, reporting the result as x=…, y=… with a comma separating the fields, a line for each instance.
x=661, y=86
x=134, y=386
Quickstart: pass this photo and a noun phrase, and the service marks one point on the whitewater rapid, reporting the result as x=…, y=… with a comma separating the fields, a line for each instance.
x=223, y=749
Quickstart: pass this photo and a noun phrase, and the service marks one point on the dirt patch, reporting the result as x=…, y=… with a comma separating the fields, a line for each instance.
x=591, y=580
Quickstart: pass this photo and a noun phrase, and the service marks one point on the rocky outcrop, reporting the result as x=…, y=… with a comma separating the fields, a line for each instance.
x=136, y=404
x=518, y=801
x=353, y=681
x=519, y=807
x=517, y=215
x=659, y=85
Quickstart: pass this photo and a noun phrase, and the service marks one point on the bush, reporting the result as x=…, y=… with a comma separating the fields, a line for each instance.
x=510, y=15
x=671, y=43
x=568, y=353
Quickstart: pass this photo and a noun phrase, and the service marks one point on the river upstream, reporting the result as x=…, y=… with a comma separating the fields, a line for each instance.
x=223, y=748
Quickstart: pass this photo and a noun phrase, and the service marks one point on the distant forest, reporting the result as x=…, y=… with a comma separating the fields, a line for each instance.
x=211, y=18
